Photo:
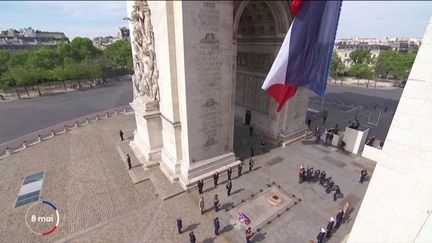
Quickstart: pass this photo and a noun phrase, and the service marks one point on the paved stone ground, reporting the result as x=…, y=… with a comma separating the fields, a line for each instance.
x=98, y=202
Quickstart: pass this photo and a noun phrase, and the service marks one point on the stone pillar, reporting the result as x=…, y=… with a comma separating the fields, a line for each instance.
x=204, y=48
x=165, y=36
x=147, y=143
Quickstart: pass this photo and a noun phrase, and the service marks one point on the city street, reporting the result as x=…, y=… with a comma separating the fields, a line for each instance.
x=21, y=117
x=18, y=118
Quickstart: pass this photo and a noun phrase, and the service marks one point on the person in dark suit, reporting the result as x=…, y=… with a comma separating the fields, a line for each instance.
x=251, y=164
x=321, y=235
x=200, y=186
x=229, y=187
x=239, y=169
x=192, y=238
x=216, y=226
x=128, y=159
x=229, y=173
x=179, y=225
x=215, y=178
x=121, y=134
x=330, y=227
x=339, y=218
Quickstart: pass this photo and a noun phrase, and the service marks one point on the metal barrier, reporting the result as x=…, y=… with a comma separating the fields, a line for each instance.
x=42, y=137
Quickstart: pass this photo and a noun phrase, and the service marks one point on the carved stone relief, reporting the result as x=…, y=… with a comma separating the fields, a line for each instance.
x=146, y=74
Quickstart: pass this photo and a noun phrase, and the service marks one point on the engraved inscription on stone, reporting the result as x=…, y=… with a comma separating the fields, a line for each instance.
x=249, y=93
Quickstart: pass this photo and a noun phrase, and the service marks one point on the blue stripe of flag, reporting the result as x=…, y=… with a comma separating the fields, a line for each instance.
x=311, y=44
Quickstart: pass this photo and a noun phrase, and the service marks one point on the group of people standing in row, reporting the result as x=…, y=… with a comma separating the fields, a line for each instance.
x=314, y=176
x=333, y=224
x=216, y=202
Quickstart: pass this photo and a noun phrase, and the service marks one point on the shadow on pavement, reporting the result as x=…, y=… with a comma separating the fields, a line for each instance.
x=191, y=227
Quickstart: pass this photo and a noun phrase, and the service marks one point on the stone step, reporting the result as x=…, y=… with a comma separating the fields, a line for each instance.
x=137, y=173
x=164, y=188
x=294, y=138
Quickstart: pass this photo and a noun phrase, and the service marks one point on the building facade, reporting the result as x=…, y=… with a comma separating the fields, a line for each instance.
x=11, y=39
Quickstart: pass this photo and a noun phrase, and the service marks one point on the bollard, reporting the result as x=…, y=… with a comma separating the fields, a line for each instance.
x=106, y=115
x=8, y=151
x=53, y=133
x=76, y=124
x=97, y=117
x=87, y=121
x=39, y=139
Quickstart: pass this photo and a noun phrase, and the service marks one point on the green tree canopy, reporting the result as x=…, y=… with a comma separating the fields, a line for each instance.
x=337, y=67
x=361, y=56
x=361, y=71
x=393, y=64
x=120, y=54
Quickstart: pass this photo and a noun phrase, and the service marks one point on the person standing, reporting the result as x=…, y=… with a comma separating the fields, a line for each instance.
x=216, y=226
x=216, y=203
x=337, y=193
x=345, y=210
x=330, y=227
x=309, y=121
x=363, y=175
x=252, y=150
x=239, y=169
x=301, y=174
x=201, y=205
x=251, y=130
x=249, y=235
x=229, y=187
x=251, y=164
x=322, y=177
x=128, y=159
x=200, y=186
x=321, y=235
x=263, y=143
x=324, y=119
x=121, y=134
x=339, y=218
x=215, y=178
x=192, y=238
x=179, y=225
x=229, y=173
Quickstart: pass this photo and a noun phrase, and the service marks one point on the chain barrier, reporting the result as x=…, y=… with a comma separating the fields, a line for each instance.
x=53, y=133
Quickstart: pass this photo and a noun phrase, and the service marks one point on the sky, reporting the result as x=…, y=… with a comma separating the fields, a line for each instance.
x=103, y=18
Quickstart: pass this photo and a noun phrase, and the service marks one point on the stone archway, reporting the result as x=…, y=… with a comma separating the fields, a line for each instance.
x=259, y=29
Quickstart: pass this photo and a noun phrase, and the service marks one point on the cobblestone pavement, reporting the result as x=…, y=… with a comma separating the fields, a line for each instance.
x=87, y=180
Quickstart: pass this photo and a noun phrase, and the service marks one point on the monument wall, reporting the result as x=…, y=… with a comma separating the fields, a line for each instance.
x=207, y=40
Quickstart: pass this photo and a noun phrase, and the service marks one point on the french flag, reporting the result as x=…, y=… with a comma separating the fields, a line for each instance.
x=305, y=55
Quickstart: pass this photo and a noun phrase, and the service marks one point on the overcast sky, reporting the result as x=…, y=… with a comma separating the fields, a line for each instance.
x=101, y=18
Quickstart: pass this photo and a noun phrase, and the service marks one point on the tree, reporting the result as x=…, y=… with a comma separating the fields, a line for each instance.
x=361, y=56
x=44, y=58
x=337, y=67
x=4, y=59
x=120, y=53
x=361, y=71
x=83, y=49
